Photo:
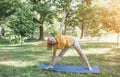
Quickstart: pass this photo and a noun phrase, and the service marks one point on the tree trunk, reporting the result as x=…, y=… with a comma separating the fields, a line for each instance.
x=82, y=30
x=41, y=35
x=118, y=39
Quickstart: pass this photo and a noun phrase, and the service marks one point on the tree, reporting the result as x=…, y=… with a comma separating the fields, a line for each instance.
x=110, y=17
x=87, y=17
x=21, y=22
x=45, y=12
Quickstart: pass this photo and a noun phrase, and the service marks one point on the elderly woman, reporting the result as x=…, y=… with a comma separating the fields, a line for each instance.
x=64, y=42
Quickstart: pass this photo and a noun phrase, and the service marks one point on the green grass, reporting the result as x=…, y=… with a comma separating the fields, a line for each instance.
x=23, y=60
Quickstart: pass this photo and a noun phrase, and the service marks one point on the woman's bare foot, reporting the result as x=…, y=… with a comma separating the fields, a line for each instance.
x=90, y=68
x=49, y=67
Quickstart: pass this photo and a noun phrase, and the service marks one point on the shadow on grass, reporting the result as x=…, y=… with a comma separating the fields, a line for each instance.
x=3, y=41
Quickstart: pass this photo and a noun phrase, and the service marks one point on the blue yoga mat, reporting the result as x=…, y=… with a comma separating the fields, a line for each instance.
x=72, y=69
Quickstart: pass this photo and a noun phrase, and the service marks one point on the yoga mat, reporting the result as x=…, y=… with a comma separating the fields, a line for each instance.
x=72, y=69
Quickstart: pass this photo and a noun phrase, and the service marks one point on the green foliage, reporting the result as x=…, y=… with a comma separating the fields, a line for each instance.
x=45, y=11
x=51, y=30
x=87, y=16
x=95, y=15
x=21, y=22
x=64, y=5
x=7, y=8
x=46, y=14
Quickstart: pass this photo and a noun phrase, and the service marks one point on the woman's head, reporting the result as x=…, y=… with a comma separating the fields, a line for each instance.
x=50, y=42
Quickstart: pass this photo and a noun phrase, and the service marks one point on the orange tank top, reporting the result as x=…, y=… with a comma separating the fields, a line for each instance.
x=64, y=41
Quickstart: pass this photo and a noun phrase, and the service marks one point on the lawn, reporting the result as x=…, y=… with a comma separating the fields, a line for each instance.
x=23, y=60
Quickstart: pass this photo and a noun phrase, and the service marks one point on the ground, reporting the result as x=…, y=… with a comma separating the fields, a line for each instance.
x=23, y=60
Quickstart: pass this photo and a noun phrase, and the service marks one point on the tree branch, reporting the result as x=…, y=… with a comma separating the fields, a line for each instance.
x=35, y=20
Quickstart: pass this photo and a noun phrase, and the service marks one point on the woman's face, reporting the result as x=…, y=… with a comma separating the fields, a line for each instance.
x=52, y=40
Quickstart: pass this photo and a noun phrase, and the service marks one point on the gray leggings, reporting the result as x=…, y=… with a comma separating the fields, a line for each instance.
x=76, y=43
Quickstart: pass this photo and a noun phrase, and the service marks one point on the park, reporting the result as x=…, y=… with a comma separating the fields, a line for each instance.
x=26, y=25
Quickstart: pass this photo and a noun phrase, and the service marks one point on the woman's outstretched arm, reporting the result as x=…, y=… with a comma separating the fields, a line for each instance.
x=62, y=23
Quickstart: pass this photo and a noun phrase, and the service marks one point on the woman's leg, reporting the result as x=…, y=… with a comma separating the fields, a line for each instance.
x=80, y=52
